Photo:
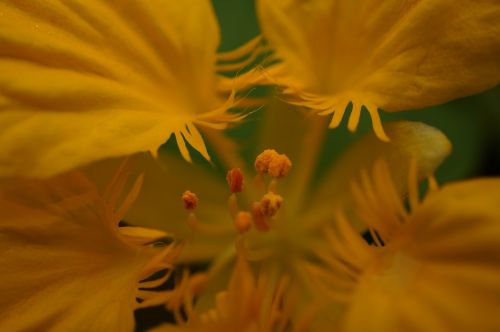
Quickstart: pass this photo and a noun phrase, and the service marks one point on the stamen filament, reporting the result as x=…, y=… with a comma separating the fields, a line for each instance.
x=233, y=205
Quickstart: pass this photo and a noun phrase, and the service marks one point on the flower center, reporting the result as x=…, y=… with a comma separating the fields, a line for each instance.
x=259, y=225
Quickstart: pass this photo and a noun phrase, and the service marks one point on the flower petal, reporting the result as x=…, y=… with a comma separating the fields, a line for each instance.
x=444, y=274
x=64, y=264
x=410, y=140
x=81, y=81
x=159, y=205
x=462, y=216
x=395, y=55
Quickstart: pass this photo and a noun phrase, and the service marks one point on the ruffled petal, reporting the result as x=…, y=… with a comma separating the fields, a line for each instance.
x=427, y=145
x=159, y=205
x=247, y=303
x=433, y=264
x=65, y=266
x=395, y=55
x=444, y=275
x=81, y=81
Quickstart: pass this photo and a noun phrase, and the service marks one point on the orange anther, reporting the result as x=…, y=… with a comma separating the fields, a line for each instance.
x=235, y=180
x=279, y=166
x=190, y=200
x=259, y=219
x=243, y=222
x=270, y=204
x=264, y=159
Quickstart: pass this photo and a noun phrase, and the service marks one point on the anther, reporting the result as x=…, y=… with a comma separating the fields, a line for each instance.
x=264, y=159
x=259, y=219
x=279, y=166
x=190, y=200
x=235, y=180
x=270, y=204
x=243, y=222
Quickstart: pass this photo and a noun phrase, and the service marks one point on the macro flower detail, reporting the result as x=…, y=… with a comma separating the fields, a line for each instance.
x=248, y=304
x=285, y=234
x=190, y=200
x=66, y=265
x=86, y=80
x=209, y=229
x=431, y=268
x=235, y=180
x=394, y=56
x=166, y=166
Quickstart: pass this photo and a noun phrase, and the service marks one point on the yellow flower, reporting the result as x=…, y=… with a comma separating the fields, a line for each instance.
x=247, y=305
x=82, y=81
x=434, y=268
x=395, y=55
x=86, y=80
x=282, y=241
x=65, y=263
x=304, y=207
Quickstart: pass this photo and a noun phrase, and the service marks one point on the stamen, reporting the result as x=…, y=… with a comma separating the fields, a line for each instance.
x=259, y=219
x=270, y=204
x=279, y=166
x=235, y=180
x=243, y=222
x=190, y=200
x=269, y=161
x=273, y=186
x=264, y=159
x=233, y=205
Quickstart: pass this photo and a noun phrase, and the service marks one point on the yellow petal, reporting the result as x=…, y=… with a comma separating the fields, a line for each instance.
x=159, y=204
x=65, y=266
x=461, y=219
x=395, y=55
x=82, y=81
x=245, y=303
x=410, y=140
x=437, y=268
x=45, y=143
x=440, y=272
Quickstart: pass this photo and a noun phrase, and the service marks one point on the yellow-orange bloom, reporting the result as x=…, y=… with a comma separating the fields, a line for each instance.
x=434, y=268
x=247, y=305
x=65, y=263
x=286, y=241
x=86, y=80
x=394, y=55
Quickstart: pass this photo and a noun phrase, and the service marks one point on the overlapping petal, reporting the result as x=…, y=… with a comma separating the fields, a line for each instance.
x=433, y=268
x=81, y=81
x=64, y=263
x=247, y=304
x=412, y=140
x=159, y=204
x=446, y=275
x=395, y=55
